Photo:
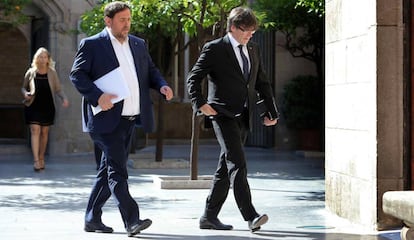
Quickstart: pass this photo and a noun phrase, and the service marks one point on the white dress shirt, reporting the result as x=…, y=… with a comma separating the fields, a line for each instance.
x=236, y=50
x=127, y=66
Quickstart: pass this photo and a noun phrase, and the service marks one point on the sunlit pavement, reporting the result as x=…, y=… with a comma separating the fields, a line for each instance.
x=286, y=186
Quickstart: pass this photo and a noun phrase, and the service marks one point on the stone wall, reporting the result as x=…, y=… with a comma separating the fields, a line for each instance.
x=364, y=99
x=66, y=135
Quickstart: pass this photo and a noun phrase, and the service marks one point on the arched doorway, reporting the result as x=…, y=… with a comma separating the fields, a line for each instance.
x=18, y=45
x=14, y=61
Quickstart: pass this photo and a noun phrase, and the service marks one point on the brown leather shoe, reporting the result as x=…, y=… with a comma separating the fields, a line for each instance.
x=213, y=224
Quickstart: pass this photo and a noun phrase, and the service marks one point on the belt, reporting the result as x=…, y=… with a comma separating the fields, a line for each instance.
x=129, y=118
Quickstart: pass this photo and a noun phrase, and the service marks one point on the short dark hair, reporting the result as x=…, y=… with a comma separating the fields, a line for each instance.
x=242, y=17
x=113, y=8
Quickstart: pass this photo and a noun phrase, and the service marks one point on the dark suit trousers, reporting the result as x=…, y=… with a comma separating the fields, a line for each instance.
x=112, y=175
x=231, y=170
x=98, y=155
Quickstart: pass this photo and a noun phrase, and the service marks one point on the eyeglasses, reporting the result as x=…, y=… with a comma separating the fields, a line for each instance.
x=247, y=31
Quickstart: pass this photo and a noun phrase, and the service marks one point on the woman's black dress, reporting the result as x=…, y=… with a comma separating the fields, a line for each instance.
x=42, y=110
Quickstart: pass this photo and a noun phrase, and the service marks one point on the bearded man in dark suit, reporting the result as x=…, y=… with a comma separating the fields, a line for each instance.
x=114, y=49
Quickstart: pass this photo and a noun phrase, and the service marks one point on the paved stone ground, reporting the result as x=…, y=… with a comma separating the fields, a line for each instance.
x=286, y=186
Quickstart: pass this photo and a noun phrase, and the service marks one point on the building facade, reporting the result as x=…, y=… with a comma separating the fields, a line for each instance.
x=54, y=25
x=368, y=136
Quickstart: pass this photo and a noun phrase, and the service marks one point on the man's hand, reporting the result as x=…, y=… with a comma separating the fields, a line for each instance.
x=267, y=122
x=208, y=110
x=167, y=92
x=105, y=101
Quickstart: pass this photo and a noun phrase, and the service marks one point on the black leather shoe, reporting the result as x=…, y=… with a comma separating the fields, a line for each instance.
x=97, y=227
x=213, y=224
x=258, y=221
x=137, y=228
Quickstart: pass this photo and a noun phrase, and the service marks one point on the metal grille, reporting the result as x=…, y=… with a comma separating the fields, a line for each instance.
x=262, y=136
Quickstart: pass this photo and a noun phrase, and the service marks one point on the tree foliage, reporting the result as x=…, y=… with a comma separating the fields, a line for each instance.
x=162, y=23
x=155, y=18
x=11, y=12
x=301, y=106
x=314, y=6
x=301, y=22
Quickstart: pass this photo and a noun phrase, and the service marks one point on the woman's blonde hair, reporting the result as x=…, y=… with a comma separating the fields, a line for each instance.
x=50, y=62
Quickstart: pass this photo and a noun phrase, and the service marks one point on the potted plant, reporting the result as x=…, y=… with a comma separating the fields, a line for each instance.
x=302, y=108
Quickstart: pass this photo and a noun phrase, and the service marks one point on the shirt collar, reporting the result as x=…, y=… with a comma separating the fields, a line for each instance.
x=112, y=37
x=233, y=41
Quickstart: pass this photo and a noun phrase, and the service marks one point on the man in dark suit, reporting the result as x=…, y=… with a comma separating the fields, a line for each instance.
x=112, y=128
x=235, y=75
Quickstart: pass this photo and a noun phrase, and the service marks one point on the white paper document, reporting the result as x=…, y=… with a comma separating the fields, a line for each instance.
x=115, y=83
x=84, y=128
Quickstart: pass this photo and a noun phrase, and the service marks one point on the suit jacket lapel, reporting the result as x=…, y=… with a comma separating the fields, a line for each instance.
x=133, y=45
x=107, y=47
x=230, y=52
x=253, y=60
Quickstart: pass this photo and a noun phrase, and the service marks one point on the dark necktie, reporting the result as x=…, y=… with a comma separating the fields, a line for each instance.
x=245, y=64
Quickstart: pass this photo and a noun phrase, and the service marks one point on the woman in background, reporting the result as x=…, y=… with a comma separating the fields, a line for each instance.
x=40, y=85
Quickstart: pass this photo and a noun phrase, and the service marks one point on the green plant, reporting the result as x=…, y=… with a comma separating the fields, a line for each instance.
x=11, y=12
x=302, y=104
x=301, y=22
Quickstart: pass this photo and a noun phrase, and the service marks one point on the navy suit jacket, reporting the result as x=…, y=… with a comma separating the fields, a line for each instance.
x=95, y=58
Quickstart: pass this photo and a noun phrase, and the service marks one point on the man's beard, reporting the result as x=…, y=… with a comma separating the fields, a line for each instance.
x=121, y=37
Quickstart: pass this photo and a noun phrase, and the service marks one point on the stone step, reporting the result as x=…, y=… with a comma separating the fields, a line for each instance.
x=183, y=182
x=13, y=147
x=145, y=160
x=400, y=204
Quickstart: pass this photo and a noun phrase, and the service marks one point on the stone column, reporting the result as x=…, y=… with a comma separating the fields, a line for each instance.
x=364, y=115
